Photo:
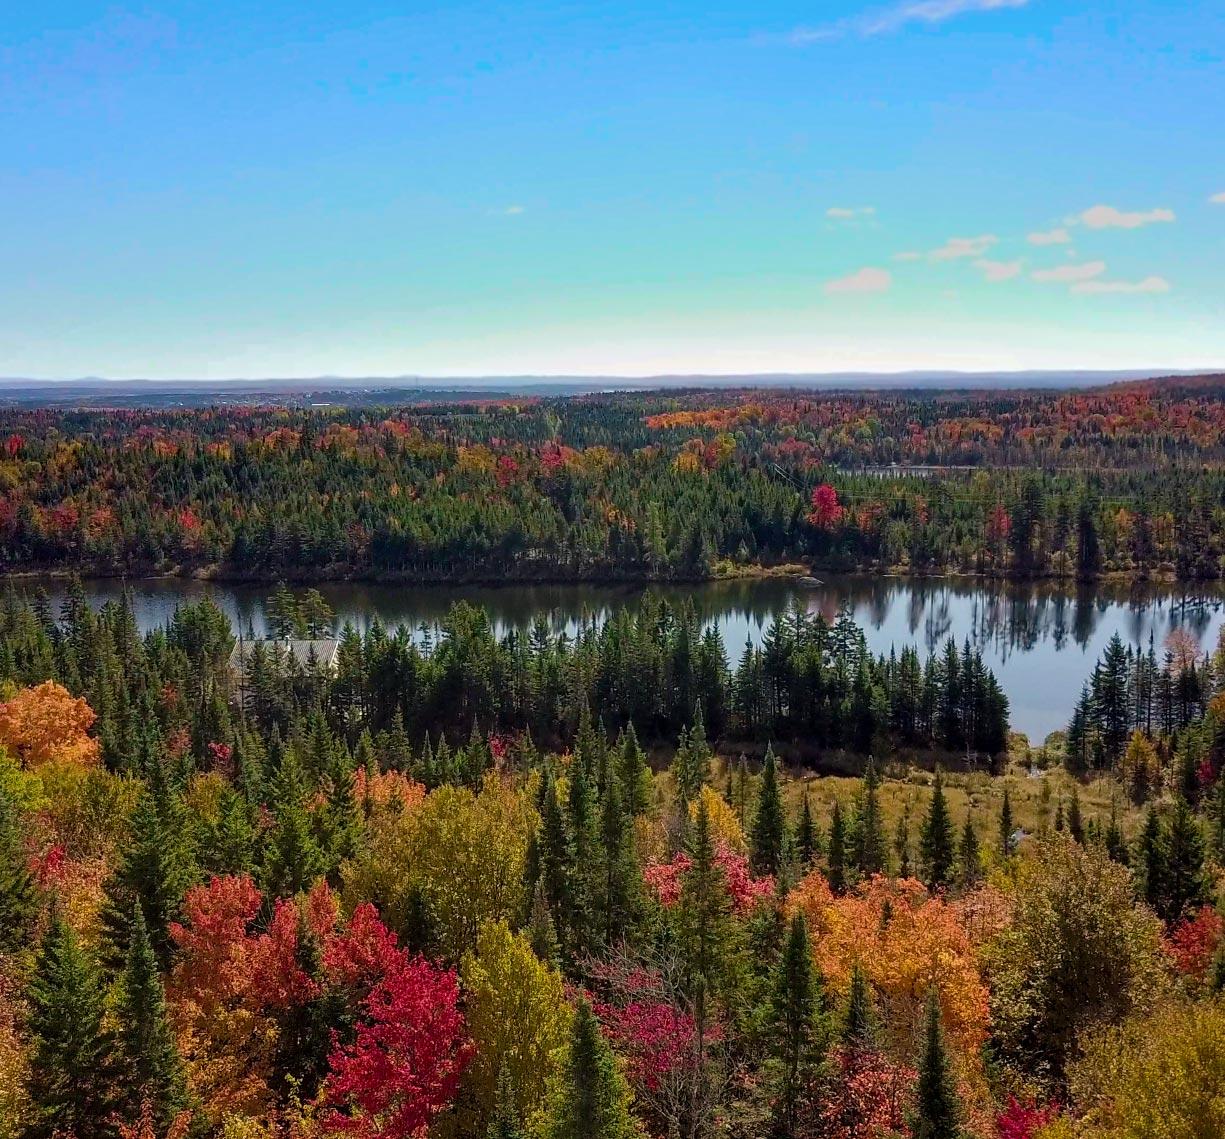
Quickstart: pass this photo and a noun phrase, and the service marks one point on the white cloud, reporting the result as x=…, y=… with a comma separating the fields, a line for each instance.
x=513, y=211
x=908, y=255
x=1107, y=217
x=1069, y=274
x=1148, y=285
x=866, y=280
x=996, y=271
x=1058, y=236
x=848, y=213
x=957, y=247
x=1219, y=199
x=883, y=21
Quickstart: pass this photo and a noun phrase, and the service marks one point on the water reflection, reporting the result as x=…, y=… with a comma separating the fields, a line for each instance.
x=1041, y=639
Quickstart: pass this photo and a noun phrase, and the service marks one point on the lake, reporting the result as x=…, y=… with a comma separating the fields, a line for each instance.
x=1041, y=639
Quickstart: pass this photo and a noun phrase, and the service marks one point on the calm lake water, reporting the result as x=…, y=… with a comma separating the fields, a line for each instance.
x=1041, y=640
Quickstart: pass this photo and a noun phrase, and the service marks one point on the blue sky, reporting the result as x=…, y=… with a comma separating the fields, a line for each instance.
x=235, y=189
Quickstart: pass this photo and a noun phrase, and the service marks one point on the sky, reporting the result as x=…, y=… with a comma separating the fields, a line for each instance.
x=220, y=189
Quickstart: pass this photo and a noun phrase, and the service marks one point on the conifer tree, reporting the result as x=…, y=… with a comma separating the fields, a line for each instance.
x=1184, y=887
x=837, y=851
x=1115, y=846
x=591, y=1099
x=901, y=844
x=1007, y=827
x=766, y=840
x=293, y=860
x=71, y=1085
x=937, y=1112
x=937, y=843
x=18, y=899
x=620, y=879
x=970, y=866
x=859, y=1020
x=806, y=836
x=1076, y=825
x=869, y=855
x=505, y=1123
x=1150, y=861
x=634, y=771
x=152, y=1071
x=797, y=1004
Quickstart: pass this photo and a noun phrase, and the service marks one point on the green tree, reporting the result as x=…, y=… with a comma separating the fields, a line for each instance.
x=870, y=845
x=766, y=838
x=937, y=840
x=72, y=1073
x=147, y=1055
x=969, y=864
x=797, y=1005
x=859, y=1019
x=937, y=1112
x=591, y=1099
x=505, y=1123
x=1007, y=826
x=837, y=851
x=18, y=899
x=1184, y=887
x=806, y=835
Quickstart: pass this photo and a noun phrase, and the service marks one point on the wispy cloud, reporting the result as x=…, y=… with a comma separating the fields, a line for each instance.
x=849, y=213
x=1070, y=274
x=957, y=247
x=1218, y=199
x=996, y=271
x=1108, y=217
x=1148, y=285
x=1058, y=236
x=883, y=21
x=866, y=280
x=513, y=211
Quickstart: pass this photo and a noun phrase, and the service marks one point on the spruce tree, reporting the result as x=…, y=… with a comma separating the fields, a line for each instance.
x=505, y=1123
x=152, y=1071
x=71, y=1084
x=635, y=773
x=970, y=866
x=937, y=1111
x=18, y=898
x=870, y=846
x=859, y=1020
x=1185, y=887
x=837, y=851
x=1007, y=827
x=1076, y=825
x=1115, y=846
x=797, y=1003
x=1150, y=861
x=766, y=838
x=591, y=1099
x=937, y=842
x=293, y=860
x=620, y=879
x=806, y=835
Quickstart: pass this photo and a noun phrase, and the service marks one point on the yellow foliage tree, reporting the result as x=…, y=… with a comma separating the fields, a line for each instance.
x=518, y=1016
x=725, y=827
x=47, y=723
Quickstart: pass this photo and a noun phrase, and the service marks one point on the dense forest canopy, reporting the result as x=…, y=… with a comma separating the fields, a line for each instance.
x=1123, y=480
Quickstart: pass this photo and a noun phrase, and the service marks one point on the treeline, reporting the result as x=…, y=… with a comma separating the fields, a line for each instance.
x=810, y=683
x=640, y=486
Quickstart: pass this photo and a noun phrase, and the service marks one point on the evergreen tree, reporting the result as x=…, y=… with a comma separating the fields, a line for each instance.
x=837, y=851
x=766, y=838
x=147, y=1055
x=806, y=836
x=869, y=855
x=620, y=879
x=72, y=1073
x=1150, y=861
x=1007, y=827
x=797, y=1004
x=293, y=860
x=859, y=1020
x=1115, y=846
x=937, y=841
x=970, y=865
x=937, y=1112
x=505, y=1123
x=592, y=1099
x=635, y=772
x=18, y=900
x=1076, y=825
x=901, y=844
x=1184, y=886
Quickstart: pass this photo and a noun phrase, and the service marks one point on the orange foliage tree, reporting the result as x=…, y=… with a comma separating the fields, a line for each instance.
x=47, y=723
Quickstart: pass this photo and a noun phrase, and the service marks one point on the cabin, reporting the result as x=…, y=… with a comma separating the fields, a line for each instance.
x=319, y=653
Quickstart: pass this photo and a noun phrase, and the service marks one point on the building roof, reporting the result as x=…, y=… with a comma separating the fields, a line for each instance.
x=323, y=648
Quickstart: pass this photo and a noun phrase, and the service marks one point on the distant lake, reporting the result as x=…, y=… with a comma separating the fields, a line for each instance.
x=1041, y=639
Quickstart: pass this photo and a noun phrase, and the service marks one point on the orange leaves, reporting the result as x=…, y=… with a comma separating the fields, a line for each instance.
x=47, y=723
x=905, y=940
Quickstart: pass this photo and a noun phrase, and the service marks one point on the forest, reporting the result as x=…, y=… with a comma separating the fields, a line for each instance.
x=618, y=885
x=1122, y=481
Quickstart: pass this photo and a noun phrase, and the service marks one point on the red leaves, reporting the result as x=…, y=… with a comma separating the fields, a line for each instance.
x=1193, y=942
x=826, y=510
x=655, y=1036
x=745, y=890
x=1022, y=1120
x=406, y=1059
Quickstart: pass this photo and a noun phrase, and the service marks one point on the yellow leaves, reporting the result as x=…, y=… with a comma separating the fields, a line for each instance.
x=477, y=459
x=48, y=723
x=687, y=463
x=724, y=825
x=518, y=1016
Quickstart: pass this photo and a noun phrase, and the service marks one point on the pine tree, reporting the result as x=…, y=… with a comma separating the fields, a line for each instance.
x=797, y=1003
x=592, y=1099
x=505, y=1123
x=635, y=773
x=1076, y=825
x=1185, y=887
x=937, y=1112
x=620, y=879
x=869, y=856
x=859, y=1021
x=766, y=839
x=1007, y=827
x=148, y=1059
x=293, y=860
x=901, y=844
x=937, y=842
x=806, y=835
x=1116, y=848
x=72, y=1074
x=1150, y=862
x=18, y=899
x=837, y=851
x=970, y=866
